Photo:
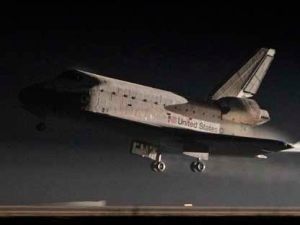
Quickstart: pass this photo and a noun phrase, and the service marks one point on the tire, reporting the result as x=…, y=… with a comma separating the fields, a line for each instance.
x=193, y=166
x=160, y=166
x=200, y=166
x=154, y=166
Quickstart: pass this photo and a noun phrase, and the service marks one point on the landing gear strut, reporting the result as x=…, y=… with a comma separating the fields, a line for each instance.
x=158, y=165
x=198, y=166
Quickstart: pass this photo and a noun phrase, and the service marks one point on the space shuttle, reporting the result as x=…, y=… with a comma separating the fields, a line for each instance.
x=159, y=121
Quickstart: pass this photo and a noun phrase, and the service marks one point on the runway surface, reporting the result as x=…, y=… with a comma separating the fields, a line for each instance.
x=61, y=211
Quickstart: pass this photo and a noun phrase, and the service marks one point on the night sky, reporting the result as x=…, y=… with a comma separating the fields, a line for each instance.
x=186, y=49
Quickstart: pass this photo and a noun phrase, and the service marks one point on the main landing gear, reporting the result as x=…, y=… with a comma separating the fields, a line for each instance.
x=158, y=165
x=153, y=152
x=198, y=166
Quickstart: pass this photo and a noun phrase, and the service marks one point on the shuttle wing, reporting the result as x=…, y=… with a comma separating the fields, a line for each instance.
x=227, y=145
x=246, y=81
x=295, y=148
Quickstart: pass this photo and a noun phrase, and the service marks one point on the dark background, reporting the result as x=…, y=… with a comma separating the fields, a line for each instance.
x=187, y=49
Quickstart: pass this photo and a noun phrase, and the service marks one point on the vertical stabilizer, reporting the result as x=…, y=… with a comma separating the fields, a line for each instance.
x=246, y=81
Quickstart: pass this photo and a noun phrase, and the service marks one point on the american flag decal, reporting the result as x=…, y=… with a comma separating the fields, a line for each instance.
x=172, y=119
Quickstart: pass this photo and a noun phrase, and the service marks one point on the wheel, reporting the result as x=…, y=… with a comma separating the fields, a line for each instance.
x=197, y=166
x=41, y=126
x=161, y=166
x=193, y=166
x=200, y=166
x=154, y=166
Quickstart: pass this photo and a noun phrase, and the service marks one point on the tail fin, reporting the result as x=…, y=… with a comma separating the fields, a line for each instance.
x=246, y=81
